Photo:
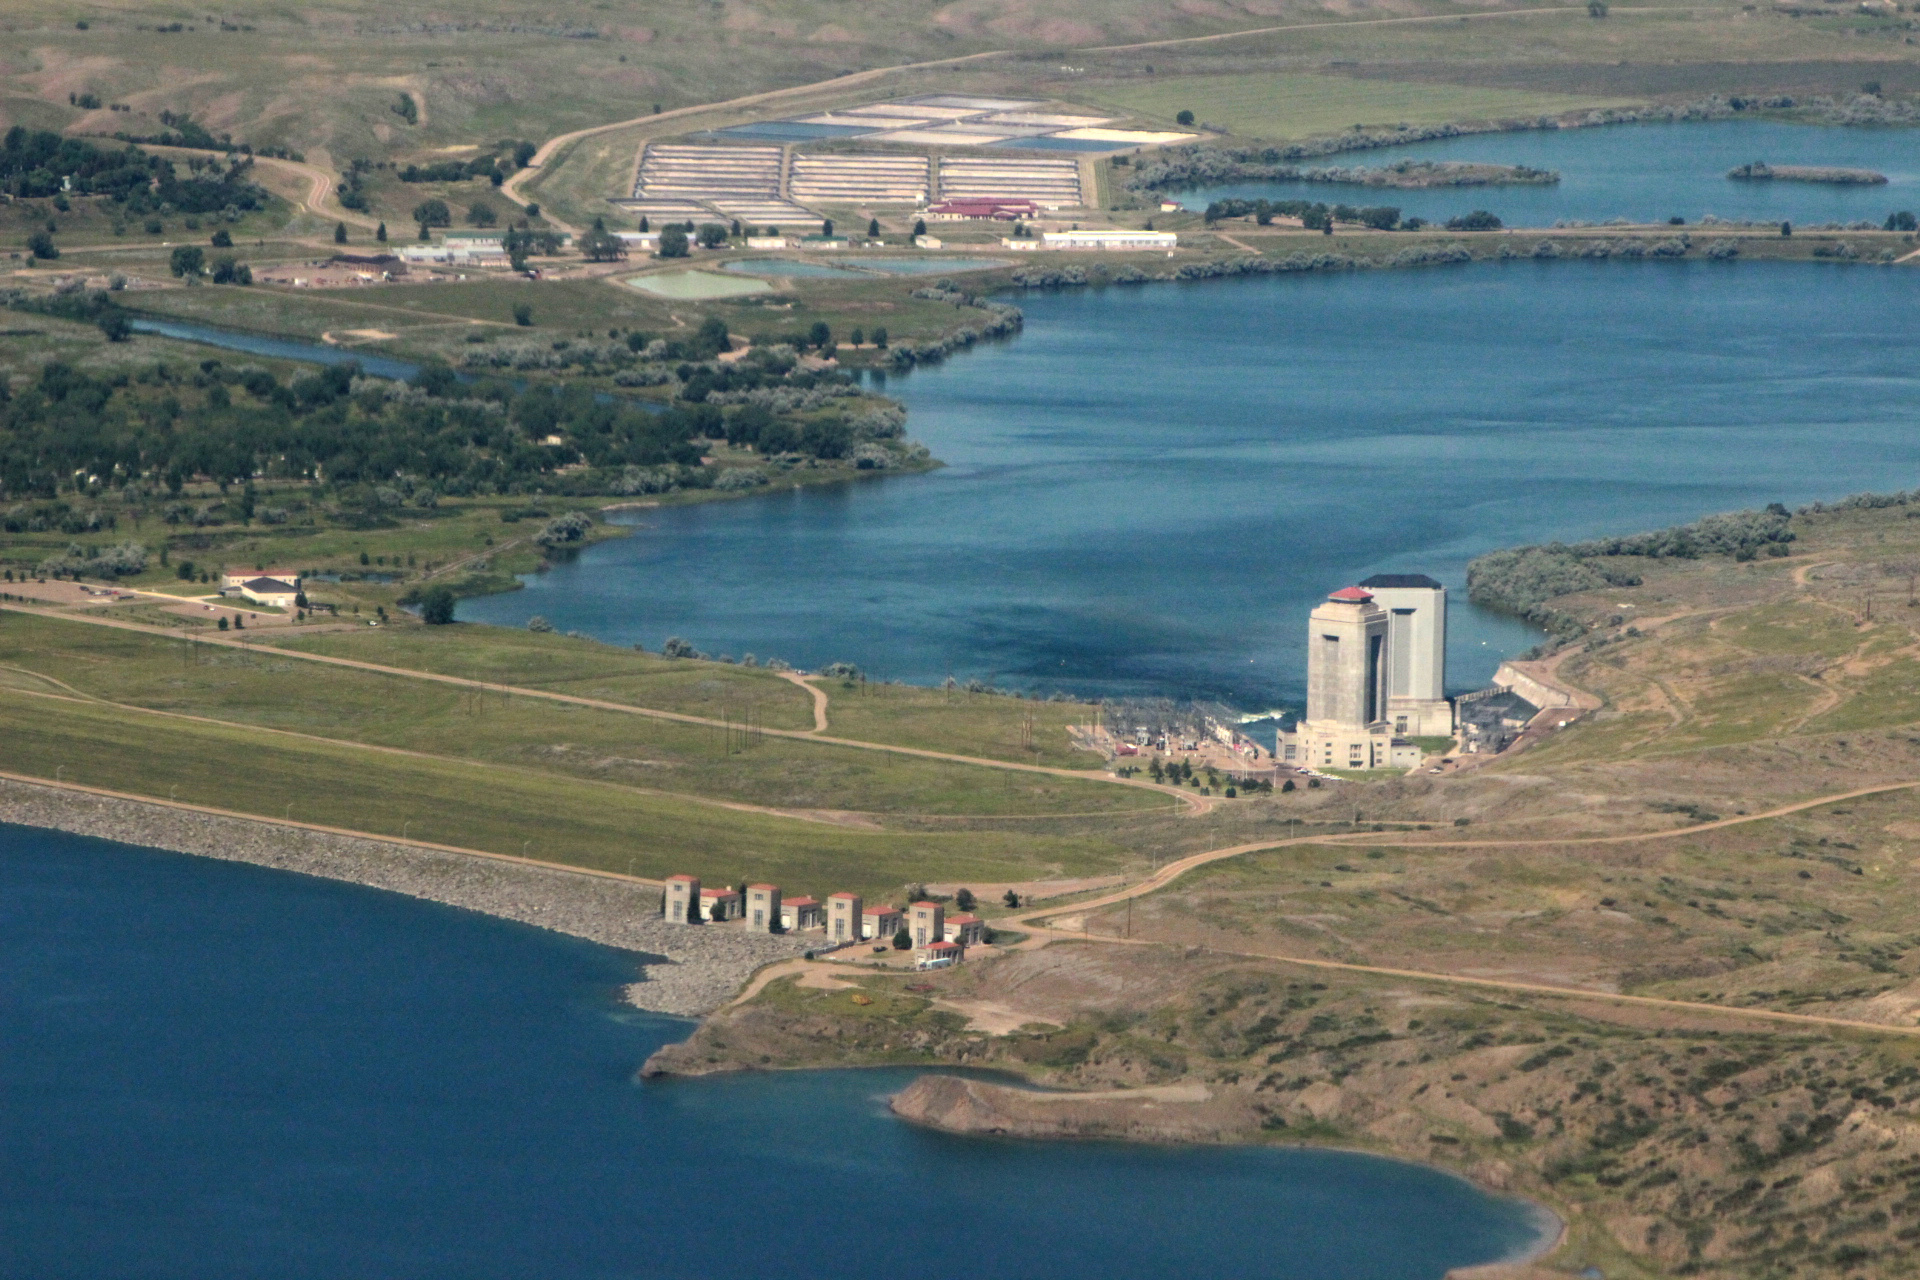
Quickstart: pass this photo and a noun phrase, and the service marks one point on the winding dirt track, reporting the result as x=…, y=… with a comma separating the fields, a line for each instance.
x=1036, y=922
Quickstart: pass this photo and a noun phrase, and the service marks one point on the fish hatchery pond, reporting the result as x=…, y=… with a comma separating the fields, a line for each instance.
x=1148, y=489
x=216, y=1071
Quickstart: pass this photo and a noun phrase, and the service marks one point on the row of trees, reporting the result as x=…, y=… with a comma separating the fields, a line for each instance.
x=1314, y=215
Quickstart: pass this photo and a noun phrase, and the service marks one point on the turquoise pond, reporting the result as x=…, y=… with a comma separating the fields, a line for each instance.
x=214, y=1071
x=1642, y=172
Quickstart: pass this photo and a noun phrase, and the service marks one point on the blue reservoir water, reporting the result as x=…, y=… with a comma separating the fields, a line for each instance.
x=1151, y=486
x=1645, y=173
x=217, y=1071
x=260, y=344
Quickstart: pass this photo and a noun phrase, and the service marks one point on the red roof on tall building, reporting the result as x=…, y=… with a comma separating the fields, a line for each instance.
x=1351, y=595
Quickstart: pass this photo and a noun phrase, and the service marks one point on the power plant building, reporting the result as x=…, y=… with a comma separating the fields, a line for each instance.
x=1416, y=609
x=1376, y=675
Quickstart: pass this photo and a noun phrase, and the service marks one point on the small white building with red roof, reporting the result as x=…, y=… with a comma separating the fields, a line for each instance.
x=719, y=904
x=880, y=923
x=763, y=908
x=680, y=893
x=802, y=913
x=845, y=918
x=967, y=930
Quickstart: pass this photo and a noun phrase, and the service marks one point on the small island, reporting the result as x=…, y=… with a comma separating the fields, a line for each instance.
x=1760, y=170
x=1412, y=174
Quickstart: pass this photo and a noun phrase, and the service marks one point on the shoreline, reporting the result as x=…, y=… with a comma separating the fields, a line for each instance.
x=683, y=971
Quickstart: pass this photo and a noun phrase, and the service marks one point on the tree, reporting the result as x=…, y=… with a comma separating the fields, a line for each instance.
x=857, y=337
x=1478, y=220
x=1902, y=221
x=643, y=224
x=433, y=213
x=436, y=606
x=903, y=941
x=222, y=623
x=222, y=239
x=1596, y=8
x=964, y=900
x=187, y=261
x=42, y=246
x=380, y=233
x=1011, y=899
x=1287, y=785
x=712, y=235
x=228, y=271
x=116, y=326
x=339, y=233
x=673, y=243
x=481, y=214
x=819, y=335
x=919, y=226
x=1156, y=772
x=1184, y=118
x=522, y=314
x=1786, y=228
x=873, y=226
x=826, y=228
x=880, y=337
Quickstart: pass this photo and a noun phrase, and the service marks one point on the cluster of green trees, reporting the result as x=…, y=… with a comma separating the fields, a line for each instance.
x=71, y=430
x=1313, y=214
x=507, y=155
x=34, y=163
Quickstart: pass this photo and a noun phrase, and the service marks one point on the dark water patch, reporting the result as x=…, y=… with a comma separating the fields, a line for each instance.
x=261, y=344
x=215, y=1070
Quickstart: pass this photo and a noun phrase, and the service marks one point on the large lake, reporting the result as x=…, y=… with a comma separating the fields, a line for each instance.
x=1150, y=487
x=1643, y=172
x=217, y=1071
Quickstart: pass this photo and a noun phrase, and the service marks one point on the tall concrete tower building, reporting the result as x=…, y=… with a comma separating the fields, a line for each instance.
x=1416, y=608
x=1348, y=659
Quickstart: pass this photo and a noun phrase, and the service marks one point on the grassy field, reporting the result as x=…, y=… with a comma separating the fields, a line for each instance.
x=581, y=668
x=546, y=816
x=1287, y=106
x=974, y=724
x=725, y=762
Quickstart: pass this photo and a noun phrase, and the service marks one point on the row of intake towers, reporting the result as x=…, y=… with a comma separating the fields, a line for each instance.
x=1376, y=676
